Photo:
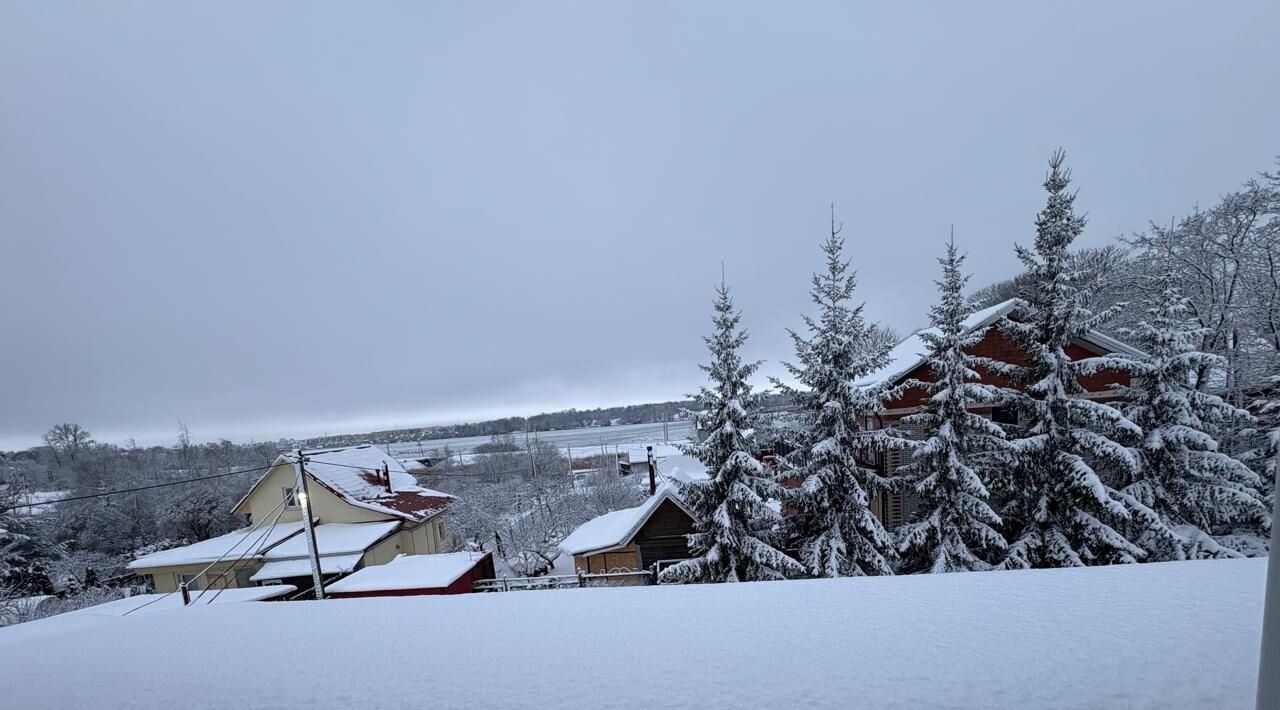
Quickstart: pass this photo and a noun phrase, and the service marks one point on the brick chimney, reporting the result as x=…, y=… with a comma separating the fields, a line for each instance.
x=386, y=476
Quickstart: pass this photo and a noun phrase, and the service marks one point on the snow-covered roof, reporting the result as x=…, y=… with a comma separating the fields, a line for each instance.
x=410, y=572
x=340, y=546
x=354, y=474
x=615, y=529
x=334, y=539
x=252, y=541
x=152, y=603
x=911, y=352
x=301, y=567
x=1172, y=635
x=683, y=468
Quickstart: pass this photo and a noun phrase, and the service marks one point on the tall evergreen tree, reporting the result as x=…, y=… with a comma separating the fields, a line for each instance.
x=1058, y=511
x=736, y=529
x=831, y=522
x=1196, y=490
x=956, y=530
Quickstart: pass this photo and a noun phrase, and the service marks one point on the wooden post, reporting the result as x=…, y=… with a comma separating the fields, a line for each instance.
x=312, y=549
x=186, y=594
x=1269, y=661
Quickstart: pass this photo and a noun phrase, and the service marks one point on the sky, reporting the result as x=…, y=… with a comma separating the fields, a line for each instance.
x=289, y=219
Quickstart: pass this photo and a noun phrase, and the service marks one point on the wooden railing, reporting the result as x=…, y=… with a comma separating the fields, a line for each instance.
x=565, y=581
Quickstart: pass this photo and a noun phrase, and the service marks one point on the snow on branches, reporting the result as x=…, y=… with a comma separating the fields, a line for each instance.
x=831, y=523
x=737, y=527
x=956, y=529
x=1199, y=492
x=1059, y=510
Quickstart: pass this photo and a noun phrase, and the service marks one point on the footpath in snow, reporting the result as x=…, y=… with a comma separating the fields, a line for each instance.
x=1171, y=635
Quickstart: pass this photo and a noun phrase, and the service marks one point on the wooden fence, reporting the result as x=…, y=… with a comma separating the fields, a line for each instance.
x=565, y=581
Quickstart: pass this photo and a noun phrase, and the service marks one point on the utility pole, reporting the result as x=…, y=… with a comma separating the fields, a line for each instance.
x=1269, y=662
x=312, y=549
x=653, y=483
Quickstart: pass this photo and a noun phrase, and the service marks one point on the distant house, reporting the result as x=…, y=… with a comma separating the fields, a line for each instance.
x=633, y=539
x=907, y=361
x=367, y=510
x=417, y=575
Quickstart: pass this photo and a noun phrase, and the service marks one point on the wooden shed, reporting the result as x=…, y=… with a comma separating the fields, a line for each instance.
x=417, y=575
x=633, y=539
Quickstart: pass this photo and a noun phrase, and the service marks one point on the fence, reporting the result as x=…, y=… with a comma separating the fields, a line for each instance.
x=565, y=581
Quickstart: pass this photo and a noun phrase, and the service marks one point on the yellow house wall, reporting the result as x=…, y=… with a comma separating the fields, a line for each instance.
x=383, y=552
x=425, y=539
x=166, y=579
x=325, y=506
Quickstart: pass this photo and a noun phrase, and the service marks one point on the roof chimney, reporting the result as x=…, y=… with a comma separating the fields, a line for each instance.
x=386, y=476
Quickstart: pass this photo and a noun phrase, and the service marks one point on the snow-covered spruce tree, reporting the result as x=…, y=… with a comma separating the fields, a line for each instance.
x=22, y=554
x=1197, y=490
x=957, y=530
x=733, y=540
x=831, y=522
x=1058, y=511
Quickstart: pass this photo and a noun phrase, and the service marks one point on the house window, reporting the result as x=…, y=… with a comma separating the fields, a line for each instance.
x=290, y=496
x=242, y=578
x=191, y=580
x=440, y=530
x=148, y=583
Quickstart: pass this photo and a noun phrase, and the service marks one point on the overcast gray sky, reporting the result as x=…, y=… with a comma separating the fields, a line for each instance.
x=292, y=218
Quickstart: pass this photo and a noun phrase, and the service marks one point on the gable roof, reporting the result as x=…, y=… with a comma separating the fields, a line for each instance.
x=910, y=353
x=249, y=542
x=354, y=474
x=410, y=572
x=616, y=529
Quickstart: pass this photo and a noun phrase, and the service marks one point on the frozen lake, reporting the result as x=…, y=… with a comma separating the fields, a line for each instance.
x=584, y=438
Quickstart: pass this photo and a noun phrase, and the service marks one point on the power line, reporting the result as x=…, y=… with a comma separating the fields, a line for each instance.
x=139, y=488
x=429, y=472
x=255, y=547
x=279, y=506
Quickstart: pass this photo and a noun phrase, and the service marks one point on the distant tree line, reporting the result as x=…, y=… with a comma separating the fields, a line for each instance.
x=549, y=421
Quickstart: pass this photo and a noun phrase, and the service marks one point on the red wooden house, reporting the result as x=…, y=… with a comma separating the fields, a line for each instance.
x=907, y=361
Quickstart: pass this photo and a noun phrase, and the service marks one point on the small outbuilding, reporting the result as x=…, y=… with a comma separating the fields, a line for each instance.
x=633, y=539
x=417, y=575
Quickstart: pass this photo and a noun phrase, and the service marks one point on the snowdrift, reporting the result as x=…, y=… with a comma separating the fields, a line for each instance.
x=1173, y=635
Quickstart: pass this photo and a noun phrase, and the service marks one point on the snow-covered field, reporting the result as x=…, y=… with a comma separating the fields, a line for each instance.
x=1172, y=635
x=583, y=438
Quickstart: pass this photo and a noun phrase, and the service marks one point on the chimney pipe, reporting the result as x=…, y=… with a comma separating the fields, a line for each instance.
x=386, y=476
x=653, y=483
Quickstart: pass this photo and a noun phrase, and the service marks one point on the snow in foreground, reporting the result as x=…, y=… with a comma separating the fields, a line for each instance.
x=1172, y=635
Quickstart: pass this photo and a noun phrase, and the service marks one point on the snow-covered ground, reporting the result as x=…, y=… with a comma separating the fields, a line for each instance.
x=580, y=440
x=1172, y=635
x=38, y=502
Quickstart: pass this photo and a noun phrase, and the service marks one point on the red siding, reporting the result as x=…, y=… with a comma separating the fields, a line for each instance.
x=461, y=586
x=995, y=346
